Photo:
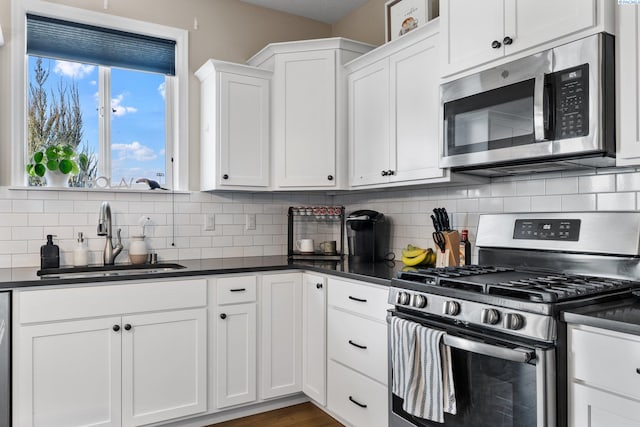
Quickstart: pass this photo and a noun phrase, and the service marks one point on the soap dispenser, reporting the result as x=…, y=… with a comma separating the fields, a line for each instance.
x=49, y=254
x=81, y=252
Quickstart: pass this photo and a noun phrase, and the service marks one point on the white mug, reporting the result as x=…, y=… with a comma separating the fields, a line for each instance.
x=304, y=245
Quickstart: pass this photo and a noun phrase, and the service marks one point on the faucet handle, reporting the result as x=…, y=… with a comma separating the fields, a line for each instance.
x=119, y=239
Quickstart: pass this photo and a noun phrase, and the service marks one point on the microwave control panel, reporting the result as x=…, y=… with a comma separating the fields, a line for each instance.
x=547, y=229
x=571, y=93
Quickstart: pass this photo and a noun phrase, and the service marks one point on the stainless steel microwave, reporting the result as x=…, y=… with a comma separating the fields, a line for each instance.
x=548, y=111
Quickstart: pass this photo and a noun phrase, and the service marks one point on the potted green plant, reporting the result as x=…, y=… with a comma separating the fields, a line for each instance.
x=56, y=163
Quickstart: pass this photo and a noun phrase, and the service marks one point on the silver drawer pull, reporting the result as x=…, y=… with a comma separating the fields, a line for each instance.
x=237, y=290
x=357, y=299
x=357, y=403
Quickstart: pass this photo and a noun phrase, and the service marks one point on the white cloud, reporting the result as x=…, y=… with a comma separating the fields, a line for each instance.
x=73, y=69
x=162, y=90
x=135, y=151
x=118, y=109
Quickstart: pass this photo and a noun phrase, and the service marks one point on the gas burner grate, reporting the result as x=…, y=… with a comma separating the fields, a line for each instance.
x=461, y=271
x=553, y=288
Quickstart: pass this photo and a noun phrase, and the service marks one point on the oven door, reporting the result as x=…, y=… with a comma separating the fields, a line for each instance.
x=497, y=383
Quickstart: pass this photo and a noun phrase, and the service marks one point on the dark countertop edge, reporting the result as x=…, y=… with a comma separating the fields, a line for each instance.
x=592, y=316
x=193, y=271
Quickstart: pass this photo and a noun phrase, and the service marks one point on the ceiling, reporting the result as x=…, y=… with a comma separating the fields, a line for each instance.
x=328, y=11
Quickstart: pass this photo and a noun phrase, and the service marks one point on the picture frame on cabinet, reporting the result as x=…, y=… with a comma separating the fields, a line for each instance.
x=402, y=16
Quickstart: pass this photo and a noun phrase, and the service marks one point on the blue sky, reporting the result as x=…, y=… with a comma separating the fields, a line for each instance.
x=138, y=116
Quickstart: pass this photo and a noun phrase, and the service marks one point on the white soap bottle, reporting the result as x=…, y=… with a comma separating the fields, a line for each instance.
x=81, y=252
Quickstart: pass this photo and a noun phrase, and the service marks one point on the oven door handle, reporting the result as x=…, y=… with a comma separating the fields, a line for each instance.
x=518, y=354
x=540, y=115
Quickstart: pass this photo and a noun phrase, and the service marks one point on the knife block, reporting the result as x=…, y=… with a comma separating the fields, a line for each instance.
x=452, y=242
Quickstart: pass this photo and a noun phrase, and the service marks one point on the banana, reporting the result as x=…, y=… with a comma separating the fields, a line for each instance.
x=413, y=252
x=415, y=260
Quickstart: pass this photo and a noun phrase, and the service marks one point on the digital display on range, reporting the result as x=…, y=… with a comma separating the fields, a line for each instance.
x=547, y=229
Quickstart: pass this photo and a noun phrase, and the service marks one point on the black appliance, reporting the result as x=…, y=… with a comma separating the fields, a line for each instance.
x=502, y=317
x=367, y=236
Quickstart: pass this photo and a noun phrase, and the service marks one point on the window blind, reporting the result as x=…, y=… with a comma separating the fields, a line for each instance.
x=72, y=41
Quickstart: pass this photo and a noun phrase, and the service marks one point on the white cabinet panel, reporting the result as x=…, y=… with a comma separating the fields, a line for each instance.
x=594, y=408
x=68, y=374
x=281, y=334
x=314, y=337
x=628, y=85
x=164, y=366
x=236, y=354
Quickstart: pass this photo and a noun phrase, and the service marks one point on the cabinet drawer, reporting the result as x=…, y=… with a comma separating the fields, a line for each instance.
x=106, y=300
x=233, y=290
x=606, y=359
x=365, y=299
x=350, y=391
x=348, y=333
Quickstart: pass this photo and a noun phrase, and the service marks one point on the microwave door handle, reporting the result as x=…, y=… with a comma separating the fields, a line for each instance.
x=520, y=355
x=539, y=110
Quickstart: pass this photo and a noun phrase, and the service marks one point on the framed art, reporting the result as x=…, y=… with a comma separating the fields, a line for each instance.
x=402, y=16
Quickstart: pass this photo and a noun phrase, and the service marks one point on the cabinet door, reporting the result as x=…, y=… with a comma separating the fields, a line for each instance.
x=314, y=337
x=68, y=374
x=628, y=85
x=469, y=28
x=589, y=407
x=529, y=22
x=305, y=119
x=281, y=335
x=415, y=94
x=236, y=354
x=164, y=373
x=244, y=131
x=369, y=124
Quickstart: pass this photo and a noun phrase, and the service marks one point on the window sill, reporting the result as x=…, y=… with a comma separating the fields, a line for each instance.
x=97, y=190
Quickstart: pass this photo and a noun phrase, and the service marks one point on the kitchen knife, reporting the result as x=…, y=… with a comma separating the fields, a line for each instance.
x=436, y=224
x=445, y=219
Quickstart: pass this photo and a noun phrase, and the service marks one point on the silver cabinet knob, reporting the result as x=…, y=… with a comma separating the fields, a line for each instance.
x=490, y=316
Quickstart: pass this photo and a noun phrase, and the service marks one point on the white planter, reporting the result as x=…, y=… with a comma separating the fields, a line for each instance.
x=56, y=179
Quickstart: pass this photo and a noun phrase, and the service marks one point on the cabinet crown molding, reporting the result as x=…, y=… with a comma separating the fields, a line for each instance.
x=214, y=65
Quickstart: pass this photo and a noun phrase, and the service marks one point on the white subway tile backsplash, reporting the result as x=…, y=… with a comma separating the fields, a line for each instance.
x=579, y=202
x=565, y=185
x=597, y=184
x=503, y=189
x=492, y=204
x=530, y=188
x=546, y=203
x=517, y=204
x=616, y=201
x=628, y=182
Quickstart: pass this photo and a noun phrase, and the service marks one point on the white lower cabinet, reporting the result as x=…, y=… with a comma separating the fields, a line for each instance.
x=314, y=337
x=603, y=377
x=123, y=369
x=281, y=335
x=236, y=323
x=357, y=352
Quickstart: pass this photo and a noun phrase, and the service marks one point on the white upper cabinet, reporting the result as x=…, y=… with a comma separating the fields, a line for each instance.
x=628, y=85
x=479, y=32
x=309, y=136
x=393, y=112
x=234, y=122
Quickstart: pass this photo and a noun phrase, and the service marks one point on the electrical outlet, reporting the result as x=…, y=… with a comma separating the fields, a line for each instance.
x=250, y=221
x=209, y=222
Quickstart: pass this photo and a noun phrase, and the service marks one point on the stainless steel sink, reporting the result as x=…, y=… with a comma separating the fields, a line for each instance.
x=107, y=270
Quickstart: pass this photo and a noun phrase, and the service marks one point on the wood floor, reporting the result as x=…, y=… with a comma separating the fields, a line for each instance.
x=303, y=415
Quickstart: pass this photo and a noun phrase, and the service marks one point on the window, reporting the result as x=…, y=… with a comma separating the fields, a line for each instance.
x=113, y=88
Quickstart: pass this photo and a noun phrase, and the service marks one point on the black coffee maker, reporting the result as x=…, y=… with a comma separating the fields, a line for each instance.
x=367, y=236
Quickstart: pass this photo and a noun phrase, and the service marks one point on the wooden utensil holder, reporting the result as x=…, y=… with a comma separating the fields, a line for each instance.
x=452, y=239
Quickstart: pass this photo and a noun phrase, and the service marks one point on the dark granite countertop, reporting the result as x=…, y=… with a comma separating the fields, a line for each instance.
x=620, y=316
x=379, y=273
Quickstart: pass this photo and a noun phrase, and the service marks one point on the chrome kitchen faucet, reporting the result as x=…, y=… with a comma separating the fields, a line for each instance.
x=104, y=229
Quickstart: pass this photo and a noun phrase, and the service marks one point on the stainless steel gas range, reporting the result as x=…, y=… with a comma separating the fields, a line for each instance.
x=501, y=318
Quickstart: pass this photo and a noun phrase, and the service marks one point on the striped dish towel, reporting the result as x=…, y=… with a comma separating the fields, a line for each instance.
x=422, y=373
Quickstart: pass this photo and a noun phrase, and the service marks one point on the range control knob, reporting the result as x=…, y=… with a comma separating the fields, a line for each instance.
x=513, y=321
x=490, y=316
x=419, y=301
x=403, y=298
x=451, y=308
